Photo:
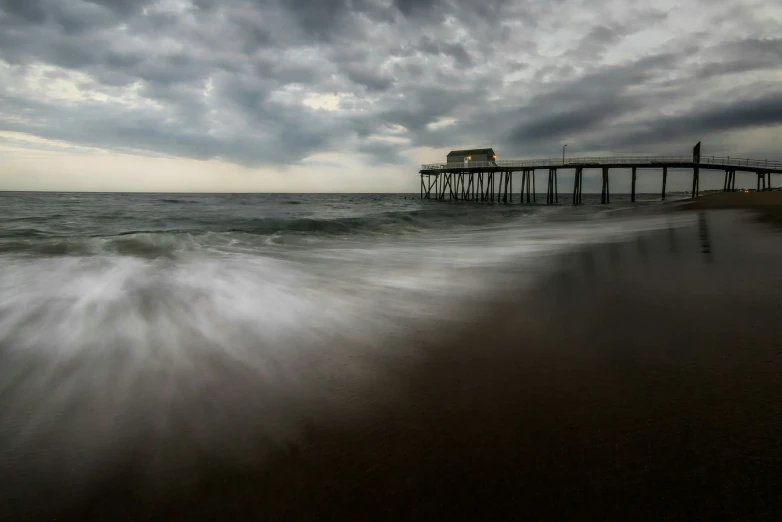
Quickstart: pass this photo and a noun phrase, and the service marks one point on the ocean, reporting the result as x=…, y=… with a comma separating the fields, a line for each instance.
x=167, y=330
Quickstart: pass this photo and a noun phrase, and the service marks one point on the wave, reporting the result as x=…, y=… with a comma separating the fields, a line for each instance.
x=178, y=200
x=267, y=235
x=150, y=243
x=103, y=355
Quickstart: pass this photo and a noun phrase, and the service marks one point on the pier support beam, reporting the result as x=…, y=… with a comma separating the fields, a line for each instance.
x=524, y=179
x=532, y=172
x=695, y=181
x=605, y=195
x=534, y=192
x=446, y=178
x=762, y=186
x=550, y=187
x=665, y=179
x=577, y=185
x=552, y=191
x=632, y=192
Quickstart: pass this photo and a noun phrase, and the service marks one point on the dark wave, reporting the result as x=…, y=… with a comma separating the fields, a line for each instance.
x=383, y=222
x=159, y=228
x=47, y=248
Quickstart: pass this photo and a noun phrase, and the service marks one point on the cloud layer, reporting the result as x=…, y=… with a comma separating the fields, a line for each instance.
x=273, y=82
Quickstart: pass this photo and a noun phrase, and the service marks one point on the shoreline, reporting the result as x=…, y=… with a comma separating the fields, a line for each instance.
x=766, y=205
x=641, y=380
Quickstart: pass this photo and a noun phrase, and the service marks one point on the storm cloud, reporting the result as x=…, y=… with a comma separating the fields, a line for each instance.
x=274, y=82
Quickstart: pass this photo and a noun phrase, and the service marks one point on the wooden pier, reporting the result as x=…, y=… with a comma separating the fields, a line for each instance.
x=492, y=181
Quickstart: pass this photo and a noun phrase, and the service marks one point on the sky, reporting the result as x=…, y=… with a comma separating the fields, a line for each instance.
x=354, y=95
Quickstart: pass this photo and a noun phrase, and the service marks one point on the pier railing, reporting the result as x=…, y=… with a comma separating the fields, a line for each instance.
x=599, y=161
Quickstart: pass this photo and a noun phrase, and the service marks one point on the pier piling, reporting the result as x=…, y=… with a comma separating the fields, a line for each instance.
x=523, y=182
x=665, y=179
x=510, y=175
x=695, y=181
x=605, y=195
x=550, y=187
x=509, y=187
x=552, y=191
x=577, y=186
x=534, y=192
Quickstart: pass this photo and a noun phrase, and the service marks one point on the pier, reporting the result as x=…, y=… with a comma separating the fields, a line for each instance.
x=492, y=181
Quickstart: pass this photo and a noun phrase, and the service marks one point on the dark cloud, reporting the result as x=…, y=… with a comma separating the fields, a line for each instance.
x=376, y=152
x=274, y=81
x=455, y=50
x=589, y=102
x=741, y=56
x=758, y=112
x=24, y=11
x=122, y=7
x=368, y=78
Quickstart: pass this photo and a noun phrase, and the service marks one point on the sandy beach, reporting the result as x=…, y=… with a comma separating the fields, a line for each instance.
x=641, y=381
x=767, y=206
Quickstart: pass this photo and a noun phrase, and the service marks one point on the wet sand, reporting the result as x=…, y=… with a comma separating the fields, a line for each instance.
x=767, y=206
x=641, y=381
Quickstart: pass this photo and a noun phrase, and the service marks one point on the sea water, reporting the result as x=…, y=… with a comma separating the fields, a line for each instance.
x=176, y=327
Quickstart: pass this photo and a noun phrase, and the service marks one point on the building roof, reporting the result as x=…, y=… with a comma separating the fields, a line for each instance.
x=470, y=152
